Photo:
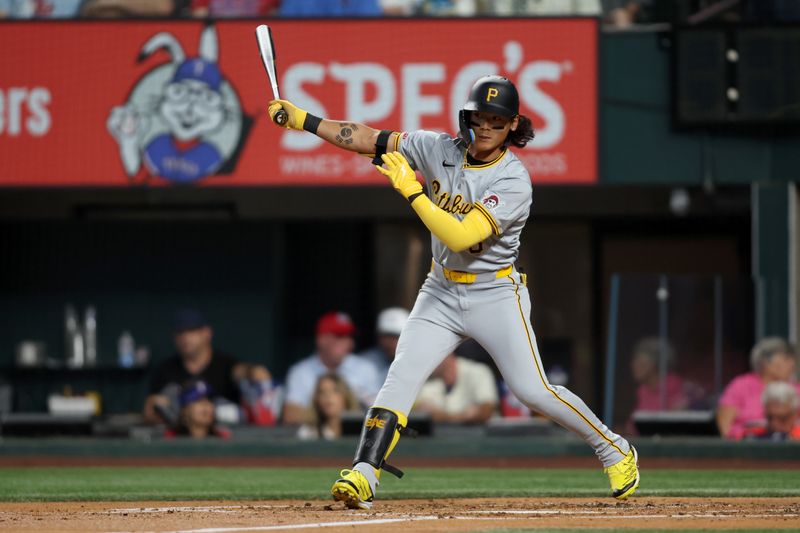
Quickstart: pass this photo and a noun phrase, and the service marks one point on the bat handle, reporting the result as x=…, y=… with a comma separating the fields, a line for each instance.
x=281, y=117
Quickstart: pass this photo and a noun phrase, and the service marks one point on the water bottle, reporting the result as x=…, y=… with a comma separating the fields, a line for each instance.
x=126, y=350
x=73, y=339
x=78, y=350
x=90, y=336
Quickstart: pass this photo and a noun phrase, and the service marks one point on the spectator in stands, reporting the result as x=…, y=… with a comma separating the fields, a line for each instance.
x=541, y=7
x=231, y=8
x=130, y=8
x=390, y=324
x=330, y=8
x=261, y=401
x=197, y=360
x=400, y=8
x=449, y=8
x=645, y=365
x=39, y=9
x=197, y=417
x=679, y=394
x=773, y=360
x=625, y=14
x=459, y=391
x=332, y=399
x=781, y=401
x=334, y=339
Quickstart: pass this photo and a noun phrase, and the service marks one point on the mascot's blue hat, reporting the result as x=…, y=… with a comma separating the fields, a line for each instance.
x=201, y=70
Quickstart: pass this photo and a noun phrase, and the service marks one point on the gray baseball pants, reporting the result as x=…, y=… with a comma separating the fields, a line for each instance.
x=496, y=314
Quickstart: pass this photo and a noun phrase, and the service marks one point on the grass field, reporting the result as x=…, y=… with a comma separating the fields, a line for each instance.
x=198, y=483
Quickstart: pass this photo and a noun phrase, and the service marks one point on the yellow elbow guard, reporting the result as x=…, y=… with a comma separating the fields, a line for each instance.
x=458, y=235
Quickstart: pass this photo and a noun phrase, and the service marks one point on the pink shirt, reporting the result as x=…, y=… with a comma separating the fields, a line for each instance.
x=744, y=394
x=649, y=398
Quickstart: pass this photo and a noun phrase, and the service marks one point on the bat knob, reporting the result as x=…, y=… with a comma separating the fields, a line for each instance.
x=281, y=117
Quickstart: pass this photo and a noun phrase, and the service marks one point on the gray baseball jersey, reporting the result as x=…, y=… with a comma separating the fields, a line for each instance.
x=501, y=189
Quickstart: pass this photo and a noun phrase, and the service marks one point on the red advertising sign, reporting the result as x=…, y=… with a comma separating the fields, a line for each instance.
x=156, y=103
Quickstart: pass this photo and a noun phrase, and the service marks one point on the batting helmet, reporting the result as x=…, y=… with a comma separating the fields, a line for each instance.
x=490, y=94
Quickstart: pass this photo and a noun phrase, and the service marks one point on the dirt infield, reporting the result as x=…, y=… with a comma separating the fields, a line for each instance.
x=406, y=515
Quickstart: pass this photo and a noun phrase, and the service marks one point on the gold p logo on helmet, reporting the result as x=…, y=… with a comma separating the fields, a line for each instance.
x=491, y=93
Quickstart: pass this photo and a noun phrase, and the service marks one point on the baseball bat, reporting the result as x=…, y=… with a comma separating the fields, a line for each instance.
x=267, y=50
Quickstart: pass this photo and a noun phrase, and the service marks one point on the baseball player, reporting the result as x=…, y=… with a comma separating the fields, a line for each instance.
x=475, y=202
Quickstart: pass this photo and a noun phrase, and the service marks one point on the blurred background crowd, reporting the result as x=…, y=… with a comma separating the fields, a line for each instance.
x=617, y=13
x=200, y=388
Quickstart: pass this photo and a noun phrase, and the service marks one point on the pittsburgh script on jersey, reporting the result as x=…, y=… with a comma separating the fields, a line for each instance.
x=450, y=204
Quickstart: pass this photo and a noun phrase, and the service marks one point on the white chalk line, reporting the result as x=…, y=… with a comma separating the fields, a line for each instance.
x=718, y=514
x=313, y=525
x=588, y=493
x=419, y=518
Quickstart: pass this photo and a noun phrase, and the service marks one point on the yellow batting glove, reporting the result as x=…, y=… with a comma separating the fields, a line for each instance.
x=297, y=116
x=400, y=174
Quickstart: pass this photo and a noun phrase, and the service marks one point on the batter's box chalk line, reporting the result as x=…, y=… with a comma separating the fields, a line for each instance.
x=421, y=518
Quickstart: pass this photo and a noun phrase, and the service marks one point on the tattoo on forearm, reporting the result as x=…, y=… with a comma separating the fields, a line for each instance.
x=345, y=135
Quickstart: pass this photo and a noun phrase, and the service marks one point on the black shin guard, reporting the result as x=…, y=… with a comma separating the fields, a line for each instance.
x=380, y=427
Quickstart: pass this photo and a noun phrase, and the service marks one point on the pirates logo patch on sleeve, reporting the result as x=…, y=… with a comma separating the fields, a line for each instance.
x=490, y=201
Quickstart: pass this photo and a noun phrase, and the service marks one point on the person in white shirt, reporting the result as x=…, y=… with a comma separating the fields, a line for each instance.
x=460, y=391
x=334, y=339
x=389, y=325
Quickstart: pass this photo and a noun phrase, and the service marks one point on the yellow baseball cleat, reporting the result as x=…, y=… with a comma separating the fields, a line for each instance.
x=353, y=489
x=624, y=475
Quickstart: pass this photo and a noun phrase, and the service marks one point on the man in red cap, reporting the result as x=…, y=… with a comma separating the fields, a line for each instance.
x=334, y=338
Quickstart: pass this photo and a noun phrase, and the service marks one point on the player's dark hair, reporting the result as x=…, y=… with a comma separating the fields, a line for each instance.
x=523, y=134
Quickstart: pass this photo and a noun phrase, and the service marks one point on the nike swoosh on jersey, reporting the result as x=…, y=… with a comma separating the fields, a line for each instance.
x=446, y=164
